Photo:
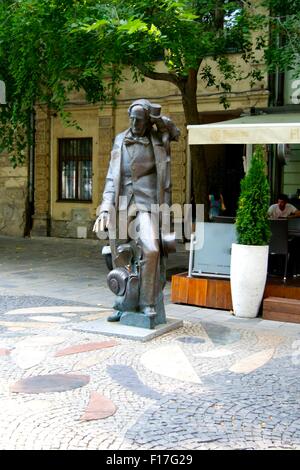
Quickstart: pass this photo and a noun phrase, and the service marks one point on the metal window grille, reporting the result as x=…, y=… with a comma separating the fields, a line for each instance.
x=75, y=169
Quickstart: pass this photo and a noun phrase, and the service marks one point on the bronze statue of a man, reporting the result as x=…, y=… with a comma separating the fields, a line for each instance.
x=137, y=183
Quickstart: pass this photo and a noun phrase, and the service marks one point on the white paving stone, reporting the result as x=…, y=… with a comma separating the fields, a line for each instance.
x=17, y=407
x=25, y=358
x=55, y=309
x=92, y=360
x=49, y=319
x=170, y=360
x=215, y=353
x=252, y=362
x=38, y=340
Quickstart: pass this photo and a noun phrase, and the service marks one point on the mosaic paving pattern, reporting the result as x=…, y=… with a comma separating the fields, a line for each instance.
x=65, y=310
x=10, y=304
x=221, y=334
x=49, y=383
x=253, y=362
x=191, y=340
x=170, y=361
x=127, y=377
x=203, y=386
x=99, y=407
x=86, y=347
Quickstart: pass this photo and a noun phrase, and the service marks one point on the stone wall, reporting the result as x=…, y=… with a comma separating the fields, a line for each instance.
x=13, y=197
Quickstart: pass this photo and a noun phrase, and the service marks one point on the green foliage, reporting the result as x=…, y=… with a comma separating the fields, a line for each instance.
x=43, y=58
x=50, y=47
x=181, y=33
x=252, y=223
x=284, y=47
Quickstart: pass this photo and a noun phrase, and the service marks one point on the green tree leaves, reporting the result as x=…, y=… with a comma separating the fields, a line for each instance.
x=252, y=222
x=49, y=47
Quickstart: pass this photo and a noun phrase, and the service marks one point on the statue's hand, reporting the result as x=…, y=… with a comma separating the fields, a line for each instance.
x=102, y=222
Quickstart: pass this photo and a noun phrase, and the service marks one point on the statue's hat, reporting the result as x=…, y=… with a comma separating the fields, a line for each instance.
x=155, y=110
x=152, y=108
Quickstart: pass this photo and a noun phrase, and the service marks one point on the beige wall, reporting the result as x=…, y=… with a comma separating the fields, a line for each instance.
x=13, y=197
x=67, y=218
x=88, y=120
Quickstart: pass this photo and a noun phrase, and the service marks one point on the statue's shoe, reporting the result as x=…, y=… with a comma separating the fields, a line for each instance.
x=149, y=312
x=115, y=316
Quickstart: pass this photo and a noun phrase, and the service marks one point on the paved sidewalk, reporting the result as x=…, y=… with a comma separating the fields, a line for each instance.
x=218, y=382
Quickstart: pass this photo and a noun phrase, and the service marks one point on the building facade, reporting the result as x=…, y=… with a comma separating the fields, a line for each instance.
x=70, y=164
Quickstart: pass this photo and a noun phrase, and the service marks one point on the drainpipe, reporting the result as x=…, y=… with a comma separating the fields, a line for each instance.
x=31, y=158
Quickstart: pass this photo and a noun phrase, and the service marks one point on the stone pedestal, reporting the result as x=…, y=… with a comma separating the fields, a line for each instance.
x=142, y=321
x=104, y=327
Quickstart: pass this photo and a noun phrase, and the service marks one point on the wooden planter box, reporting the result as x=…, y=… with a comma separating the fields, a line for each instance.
x=280, y=309
x=215, y=293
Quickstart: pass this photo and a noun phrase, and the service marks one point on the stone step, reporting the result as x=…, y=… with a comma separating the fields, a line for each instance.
x=281, y=309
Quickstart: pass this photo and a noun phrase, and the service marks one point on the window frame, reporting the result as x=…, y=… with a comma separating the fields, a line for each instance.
x=61, y=159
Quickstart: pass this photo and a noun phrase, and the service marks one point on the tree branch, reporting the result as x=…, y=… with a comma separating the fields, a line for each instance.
x=167, y=77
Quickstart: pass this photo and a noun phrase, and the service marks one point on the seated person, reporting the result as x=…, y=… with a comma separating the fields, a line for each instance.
x=282, y=209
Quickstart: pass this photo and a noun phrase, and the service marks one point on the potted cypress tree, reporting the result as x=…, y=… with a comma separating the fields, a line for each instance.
x=249, y=256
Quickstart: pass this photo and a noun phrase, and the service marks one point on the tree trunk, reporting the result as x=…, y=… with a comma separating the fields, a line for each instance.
x=199, y=168
x=188, y=89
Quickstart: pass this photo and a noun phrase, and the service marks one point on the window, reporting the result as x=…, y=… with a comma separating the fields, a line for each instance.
x=75, y=169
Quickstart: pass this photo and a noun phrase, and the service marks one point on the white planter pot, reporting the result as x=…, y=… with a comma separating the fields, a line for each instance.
x=248, y=274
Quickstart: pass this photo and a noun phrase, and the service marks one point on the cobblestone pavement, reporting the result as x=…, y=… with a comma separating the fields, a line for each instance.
x=218, y=382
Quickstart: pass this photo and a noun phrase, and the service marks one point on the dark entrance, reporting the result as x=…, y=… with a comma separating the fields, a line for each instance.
x=233, y=173
x=225, y=171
